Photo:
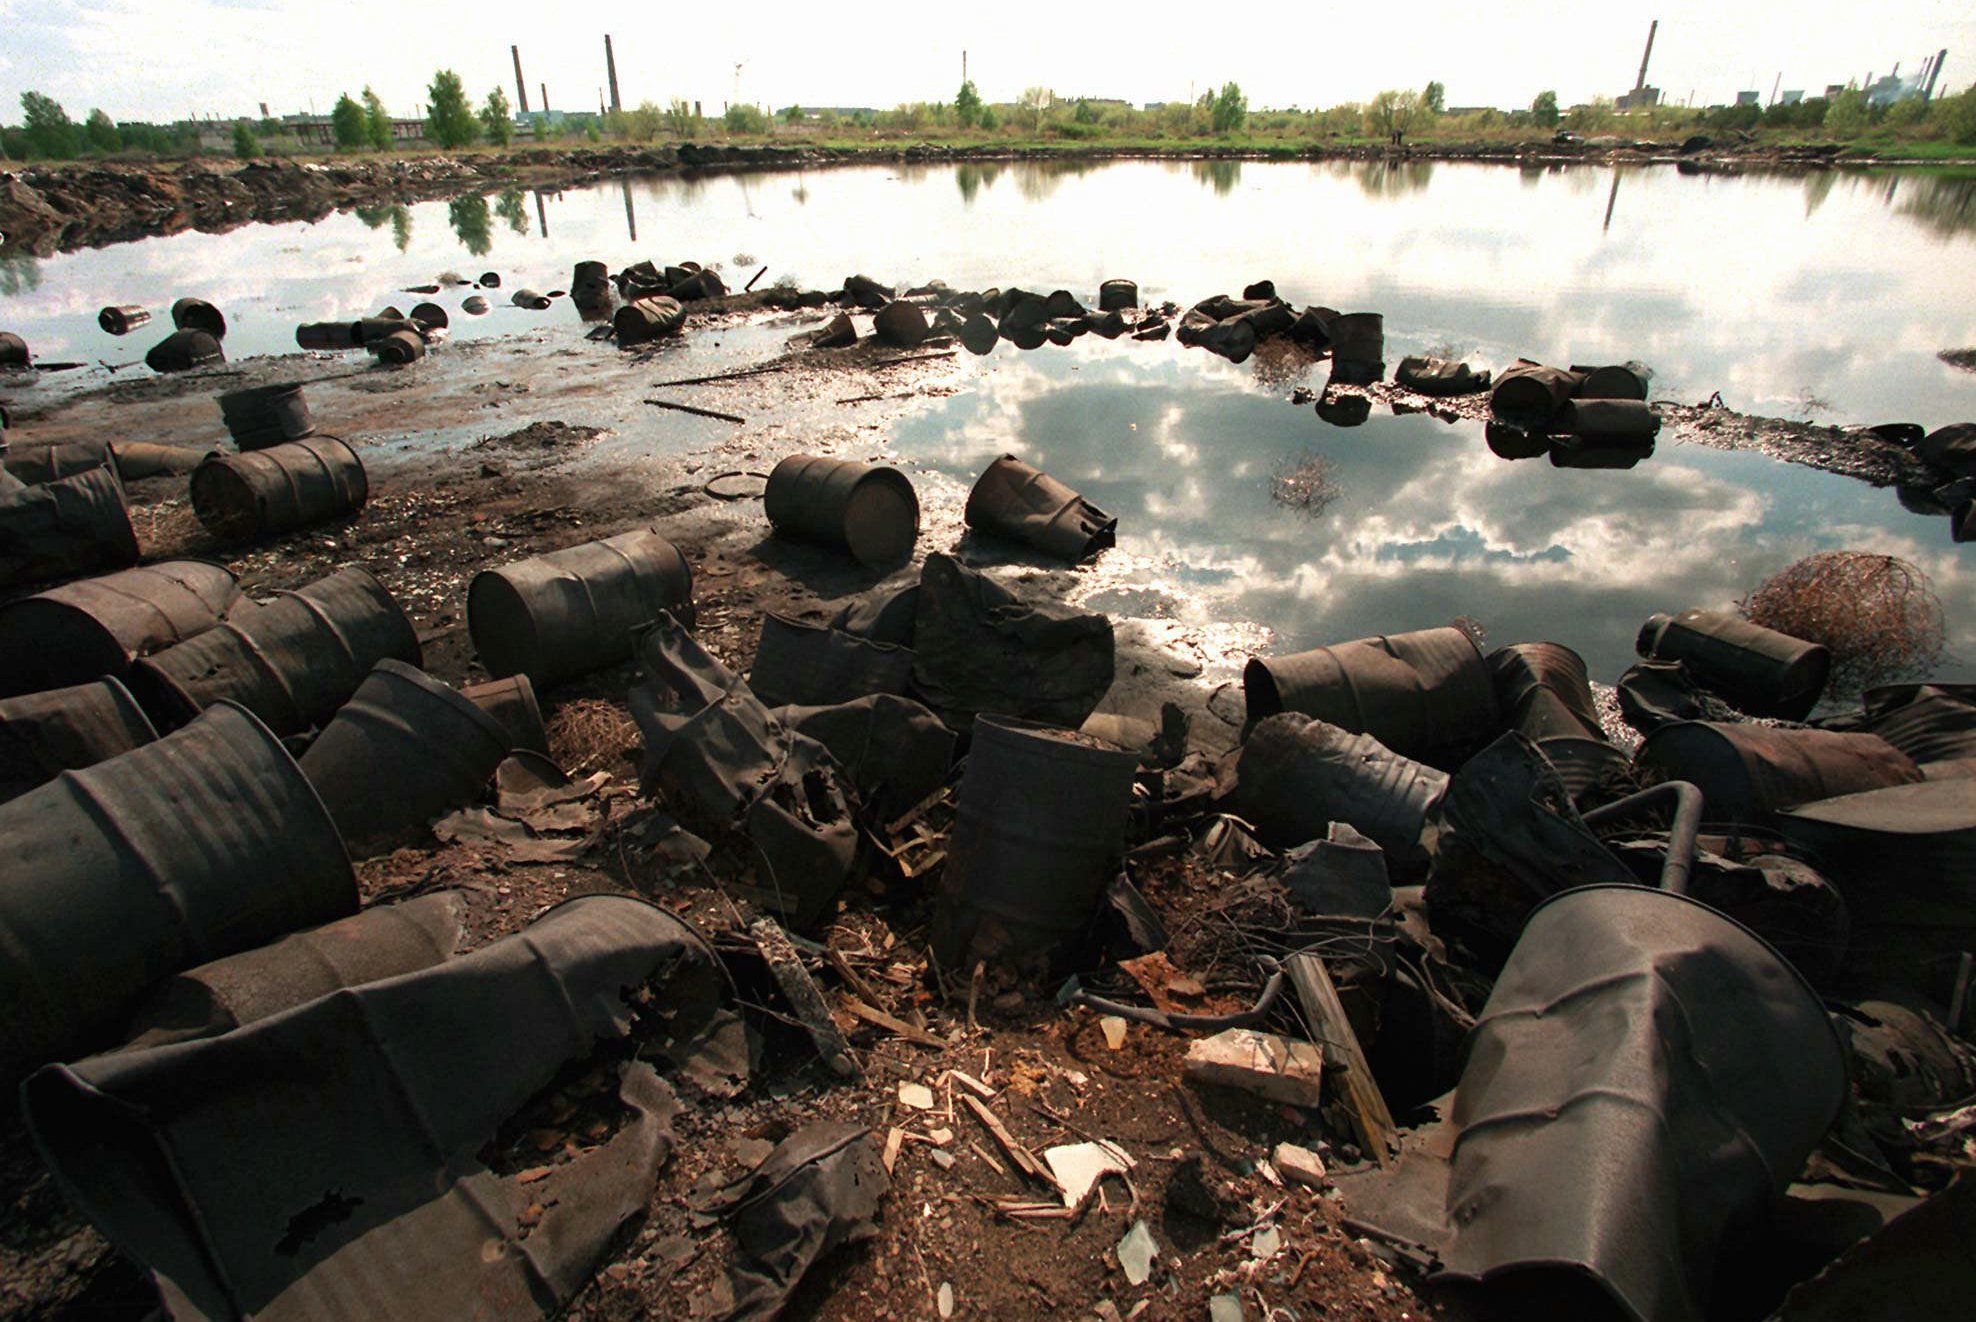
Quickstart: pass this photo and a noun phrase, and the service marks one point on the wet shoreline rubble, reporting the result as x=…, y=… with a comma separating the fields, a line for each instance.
x=438, y=886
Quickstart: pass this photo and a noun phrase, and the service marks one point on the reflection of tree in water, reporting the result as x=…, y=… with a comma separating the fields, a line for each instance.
x=471, y=221
x=1221, y=176
x=374, y=216
x=1944, y=204
x=973, y=178
x=1817, y=187
x=401, y=227
x=512, y=208
x=20, y=273
x=1036, y=180
x=1394, y=178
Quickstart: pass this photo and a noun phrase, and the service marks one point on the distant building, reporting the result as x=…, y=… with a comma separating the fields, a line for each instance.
x=1640, y=98
x=1832, y=90
x=314, y=130
x=1749, y=98
x=1791, y=98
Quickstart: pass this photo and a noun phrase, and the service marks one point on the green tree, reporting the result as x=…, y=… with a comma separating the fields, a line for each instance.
x=1957, y=115
x=681, y=122
x=1434, y=100
x=377, y=122
x=1543, y=110
x=1391, y=115
x=792, y=114
x=967, y=105
x=511, y=207
x=1848, y=114
x=101, y=131
x=1035, y=102
x=245, y=145
x=346, y=123
x=746, y=119
x=497, y=118
x=472, y=222
x=1229, y=110
x=49, y=131
x=449, y=121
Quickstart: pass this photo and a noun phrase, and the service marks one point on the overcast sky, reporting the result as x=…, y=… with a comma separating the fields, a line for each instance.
x=165, y=59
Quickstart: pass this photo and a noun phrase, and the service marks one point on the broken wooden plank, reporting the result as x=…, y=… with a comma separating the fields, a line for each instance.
x=1019, y=1156
x=695, y=410
x=871, y=1014
x=1333, y=1031
x=972, y=1084
x=801, y=991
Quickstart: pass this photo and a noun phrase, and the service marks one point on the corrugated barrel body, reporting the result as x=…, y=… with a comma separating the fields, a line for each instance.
x=1748, y=772
x=279, y=489
x=1418, y=693
x=97, y=626
x=69, y=526
x=206, y=842
x=1015, y=500
x=1762, y=671
x=1039, y=830
x=263, y=416
x=870, y=511
x=557, y=616
x=1543, y=691
x=403, y=750
x=292, y=662
x=511, y=701
x=45, y=734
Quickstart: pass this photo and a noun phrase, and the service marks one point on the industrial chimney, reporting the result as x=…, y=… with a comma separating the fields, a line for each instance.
x=610, y=67
x=1641, y=81
x=521, y=88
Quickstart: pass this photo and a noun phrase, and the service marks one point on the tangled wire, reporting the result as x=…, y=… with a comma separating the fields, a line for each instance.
x=1877, y=614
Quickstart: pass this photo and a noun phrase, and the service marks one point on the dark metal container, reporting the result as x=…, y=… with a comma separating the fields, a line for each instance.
x=1928, y=722
x=45, y=734
x=1530, y=394
x=1419, y=693
x=98, y=626
x=181, y=351
x=1117, y=295
x=13, y=350
x=431, y=316
x=1763, y=672
x=264, y=416
x=73, y=525
x=292, y=662
x=403, y=750
x=280, y=489
x=1358, y=348
x=122, y=319
x=1646, y=1078
x=1543, y=691
x=196, y=314
x=1747, y=773
x=1038, y=834
x=1583, y=762
x=1017, y=501
x=399, y=347
x=868, y=510
x=816, y=666
x=557, y=616
x=35, y=464
x=1609, y=420
x=648, y=319
x=330, y=335
x=511, y=701
x=207, y=842
x=1621, y=381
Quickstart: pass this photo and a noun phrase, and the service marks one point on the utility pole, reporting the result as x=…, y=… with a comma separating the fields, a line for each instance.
x=963, y=66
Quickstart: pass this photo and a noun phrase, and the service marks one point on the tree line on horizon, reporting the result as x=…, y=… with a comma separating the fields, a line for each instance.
x=362, y=123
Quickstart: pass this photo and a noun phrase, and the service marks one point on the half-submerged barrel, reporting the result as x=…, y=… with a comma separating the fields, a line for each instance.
x=403, y=750
x=263, y=416
x=1762, y=671
x=72, y=525
x=1017, y=501
x=1038, y=834
x=182, y=351
x=206, y=842
x=868, y=510
x=554, y=617
x=97, y=626
x=648, y=319
x=122, y=318
x=1421, y=694
x=280, y=489
x=292, y=662
x=196, y=314
x=44, y=734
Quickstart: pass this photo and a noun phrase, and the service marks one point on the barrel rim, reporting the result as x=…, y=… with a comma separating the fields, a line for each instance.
x=425, y=682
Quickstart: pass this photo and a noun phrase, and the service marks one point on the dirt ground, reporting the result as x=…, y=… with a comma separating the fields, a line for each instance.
x=489, y=452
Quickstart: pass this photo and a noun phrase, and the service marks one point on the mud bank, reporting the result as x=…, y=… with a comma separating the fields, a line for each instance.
x=49, y=209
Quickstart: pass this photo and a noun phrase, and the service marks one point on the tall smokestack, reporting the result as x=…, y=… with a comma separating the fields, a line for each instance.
x=1934, y=72
x=1641, y=81
x=521, y=88
x=963, y=66
x=610, y=67
x=545, y=98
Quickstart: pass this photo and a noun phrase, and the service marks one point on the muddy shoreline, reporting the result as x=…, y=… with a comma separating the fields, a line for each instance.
x=46, y=209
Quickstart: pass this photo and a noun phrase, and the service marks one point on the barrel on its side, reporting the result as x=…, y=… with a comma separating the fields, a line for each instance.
x=292, y=662
x=13, y=350
x=45, y=734
x=1014, y=500
x=557, y=616
x=648, y=319
x=1761, y=671
x=1748, y=773
x=263, y=416
x=329, y=335
x=98, y=626
x=512, y=703
x=280, y=489
x=122, y=318
x=73, y=525
x=1543, y=691
x=1529, y=394
x=206, y=842
x=870, y=511
x=1038, y=833
x=403, y=750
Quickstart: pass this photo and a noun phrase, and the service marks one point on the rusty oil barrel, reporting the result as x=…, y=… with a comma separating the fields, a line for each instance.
x=1619, y=381
x=1761, y=671
x=45, y=734
x=868, y=510
x=398, y=348
x=330, y=335
x=72, y=525
x=292, y=662
x=1419, y=693
x=184, y=350
x=511, y=701
x=648, y=319
x=1543, y=691
x=1117, y=296
x=1358, y=348
x=122, y=318
x=1038, y=834
x=98, y=626
x=13, y=350
x=196, y=314
x=557, y=616
x=283, y=488
x=260, y=417
x=1609, y=420
x=204, y=843
x=1747, y=773
x=430, y=316
x=1014, y=500
x=403, y=750
x=1530, y=394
